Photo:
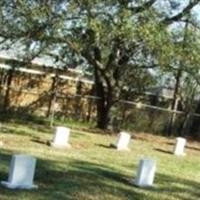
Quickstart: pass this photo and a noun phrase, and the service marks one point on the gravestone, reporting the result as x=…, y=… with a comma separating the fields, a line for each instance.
x=61, y=137
x=180, y=146
x=123, y=141
x=145, y=173
x=21, y=172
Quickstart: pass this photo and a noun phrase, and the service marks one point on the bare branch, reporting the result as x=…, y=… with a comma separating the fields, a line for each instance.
x=181, y=14
x=143, y=7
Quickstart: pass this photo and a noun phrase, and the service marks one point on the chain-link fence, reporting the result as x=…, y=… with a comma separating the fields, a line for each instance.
x=35, y=95
x=125, y=115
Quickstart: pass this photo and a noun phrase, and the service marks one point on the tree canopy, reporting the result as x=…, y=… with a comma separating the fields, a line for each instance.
x=118, y=40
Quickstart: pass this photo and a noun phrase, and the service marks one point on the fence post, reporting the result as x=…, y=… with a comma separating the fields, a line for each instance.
x=7, y=93
x=53, y=92
x=172, y=119
x=78, y=99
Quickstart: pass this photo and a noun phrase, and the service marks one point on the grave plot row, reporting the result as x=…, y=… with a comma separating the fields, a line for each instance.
x=62, y=134
x=22, y=167
x=22, y=171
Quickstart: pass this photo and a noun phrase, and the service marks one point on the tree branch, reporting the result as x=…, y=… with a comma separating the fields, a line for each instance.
x=144, y=7
x=181, y=14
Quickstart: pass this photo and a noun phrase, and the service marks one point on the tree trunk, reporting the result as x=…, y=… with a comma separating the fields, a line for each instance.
x=102, y=116
x=90, y=105
x=103, y=104
x=177, y=87
x=175, y=102
x=184, y=130
x=103, y=108
x=7, y=94
x=153, y=114
x=195, y=127
x=53, y=94
x=77, y=106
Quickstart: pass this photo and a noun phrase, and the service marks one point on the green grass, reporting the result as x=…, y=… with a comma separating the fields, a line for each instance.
x=92, y=171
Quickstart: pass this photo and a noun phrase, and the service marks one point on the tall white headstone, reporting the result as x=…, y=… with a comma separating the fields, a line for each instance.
x=123, y=141
x=21, y=172
x=145, y=173
x=180, y=146
x=61, y=137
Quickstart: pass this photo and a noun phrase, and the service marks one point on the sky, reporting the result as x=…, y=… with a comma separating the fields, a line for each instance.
x=172, y=7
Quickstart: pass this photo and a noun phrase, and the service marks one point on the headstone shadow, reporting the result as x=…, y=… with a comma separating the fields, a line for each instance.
x=40, y=141
x=193, y=148
x=81, y=179
x=163, y=151
x=110, y=146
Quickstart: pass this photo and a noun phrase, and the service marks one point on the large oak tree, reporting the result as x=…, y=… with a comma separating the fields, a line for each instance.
x=118, y=40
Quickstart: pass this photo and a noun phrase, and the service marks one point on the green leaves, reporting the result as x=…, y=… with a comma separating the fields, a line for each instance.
x=121, y=40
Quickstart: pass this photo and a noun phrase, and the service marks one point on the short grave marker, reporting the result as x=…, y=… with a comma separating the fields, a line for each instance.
x=180, y=146
x=145, y=173
x=123, y=141
x=21, y=172
x=61, y=137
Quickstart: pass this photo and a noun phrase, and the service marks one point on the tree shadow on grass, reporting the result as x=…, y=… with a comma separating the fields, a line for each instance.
x=78, y=180
x=4, y=162
x=170, y=143
x=84, y=180
x=193, y=148
x=163, y=151
x=29, y=130
x=20, y=118
x=177, y=188
x=187, y=146
x=13, y=130
x=110, y=146
x=41, y=141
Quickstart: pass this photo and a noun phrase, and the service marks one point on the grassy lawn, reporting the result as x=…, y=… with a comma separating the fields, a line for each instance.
x=90, y=170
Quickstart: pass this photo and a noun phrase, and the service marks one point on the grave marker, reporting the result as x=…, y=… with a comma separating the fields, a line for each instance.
x=145, y=173
x=123, y=141
x=21, y=172
x=61, y=137
x=180, y=145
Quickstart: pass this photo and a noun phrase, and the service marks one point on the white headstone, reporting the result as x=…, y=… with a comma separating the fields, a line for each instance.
x=145, y=173
x=180, y=145
x=123, y=141
x=21, y=173
x=61, y=137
